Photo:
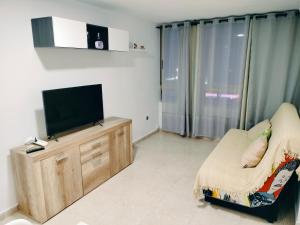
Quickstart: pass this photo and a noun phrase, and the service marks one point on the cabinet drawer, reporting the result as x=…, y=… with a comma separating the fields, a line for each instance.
x=95, y=171
x=93, y=148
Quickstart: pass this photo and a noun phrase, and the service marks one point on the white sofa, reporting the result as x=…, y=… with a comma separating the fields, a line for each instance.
x=222, y=177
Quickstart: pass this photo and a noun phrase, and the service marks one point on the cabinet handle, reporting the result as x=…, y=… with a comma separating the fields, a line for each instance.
x=98, y=145
x=97, y=154
x=61, y=158
x=121, y=133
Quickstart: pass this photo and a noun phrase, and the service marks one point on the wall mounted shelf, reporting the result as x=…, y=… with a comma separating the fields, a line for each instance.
x=137, y=49
x=56, y=32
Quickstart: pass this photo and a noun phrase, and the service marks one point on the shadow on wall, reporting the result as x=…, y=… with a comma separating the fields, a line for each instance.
x=40, y=124
x=62, y=58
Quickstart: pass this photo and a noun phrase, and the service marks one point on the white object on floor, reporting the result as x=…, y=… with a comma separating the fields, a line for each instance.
x=19, y=222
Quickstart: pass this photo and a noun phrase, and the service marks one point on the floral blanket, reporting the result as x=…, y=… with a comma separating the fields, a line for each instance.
x=270, y=190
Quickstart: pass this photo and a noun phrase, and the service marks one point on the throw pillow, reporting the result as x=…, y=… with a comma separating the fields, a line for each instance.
x=258, y=129
x=254, y=152
x=267, y=132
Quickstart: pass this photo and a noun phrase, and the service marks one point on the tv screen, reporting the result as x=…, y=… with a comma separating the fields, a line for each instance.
x=69, y=108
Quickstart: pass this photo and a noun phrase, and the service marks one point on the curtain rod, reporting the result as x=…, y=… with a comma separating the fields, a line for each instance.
x=225, y=19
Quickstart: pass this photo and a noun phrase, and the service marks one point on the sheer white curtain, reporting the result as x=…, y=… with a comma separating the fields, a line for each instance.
x=175, y=79
x=219, y=76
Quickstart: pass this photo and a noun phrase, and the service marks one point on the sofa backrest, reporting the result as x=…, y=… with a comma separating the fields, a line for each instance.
x=285, y=126
x=285, y=137
x=285, y=123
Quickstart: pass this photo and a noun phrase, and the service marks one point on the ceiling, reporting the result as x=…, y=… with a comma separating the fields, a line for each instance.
x=162, y=11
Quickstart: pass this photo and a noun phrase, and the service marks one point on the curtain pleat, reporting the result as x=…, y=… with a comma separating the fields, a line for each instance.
x=246, y=80
x=219, y=77
x=175, y=79
x=192, y=69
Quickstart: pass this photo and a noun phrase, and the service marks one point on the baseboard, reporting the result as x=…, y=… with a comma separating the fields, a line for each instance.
x=6, y=213
x=146, y=136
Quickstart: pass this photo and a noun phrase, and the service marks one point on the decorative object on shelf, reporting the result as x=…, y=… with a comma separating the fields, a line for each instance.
x=136, y=47
x=99, y=44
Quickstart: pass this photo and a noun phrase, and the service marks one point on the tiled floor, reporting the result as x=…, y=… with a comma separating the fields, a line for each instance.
x=156, y=190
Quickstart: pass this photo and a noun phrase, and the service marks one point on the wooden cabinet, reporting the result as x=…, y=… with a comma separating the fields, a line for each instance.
x=62, y=180
x=50, y=180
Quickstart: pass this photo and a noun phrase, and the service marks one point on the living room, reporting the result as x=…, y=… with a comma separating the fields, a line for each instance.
x=176, y=77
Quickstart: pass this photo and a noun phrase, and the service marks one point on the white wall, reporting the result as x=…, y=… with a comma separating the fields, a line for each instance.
x=130, y=80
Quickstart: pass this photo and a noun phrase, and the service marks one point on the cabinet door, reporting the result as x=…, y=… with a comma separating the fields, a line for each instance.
x=62, y=180
x=121, y=149
x=118, y=40
x=69, y=33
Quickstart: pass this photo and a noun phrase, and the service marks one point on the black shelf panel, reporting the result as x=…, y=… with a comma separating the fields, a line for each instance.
x=97, y=37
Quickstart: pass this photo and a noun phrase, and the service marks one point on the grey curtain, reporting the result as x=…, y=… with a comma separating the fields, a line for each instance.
x=175, y=79
x=231, y=74
x=219, y=76
x=274, y=66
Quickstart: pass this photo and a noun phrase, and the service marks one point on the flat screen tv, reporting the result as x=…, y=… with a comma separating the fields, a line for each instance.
x=70, y=108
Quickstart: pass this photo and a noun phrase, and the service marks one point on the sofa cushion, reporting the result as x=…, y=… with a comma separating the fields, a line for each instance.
x=258, y=129
x=254, y=152
x=222, y=168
